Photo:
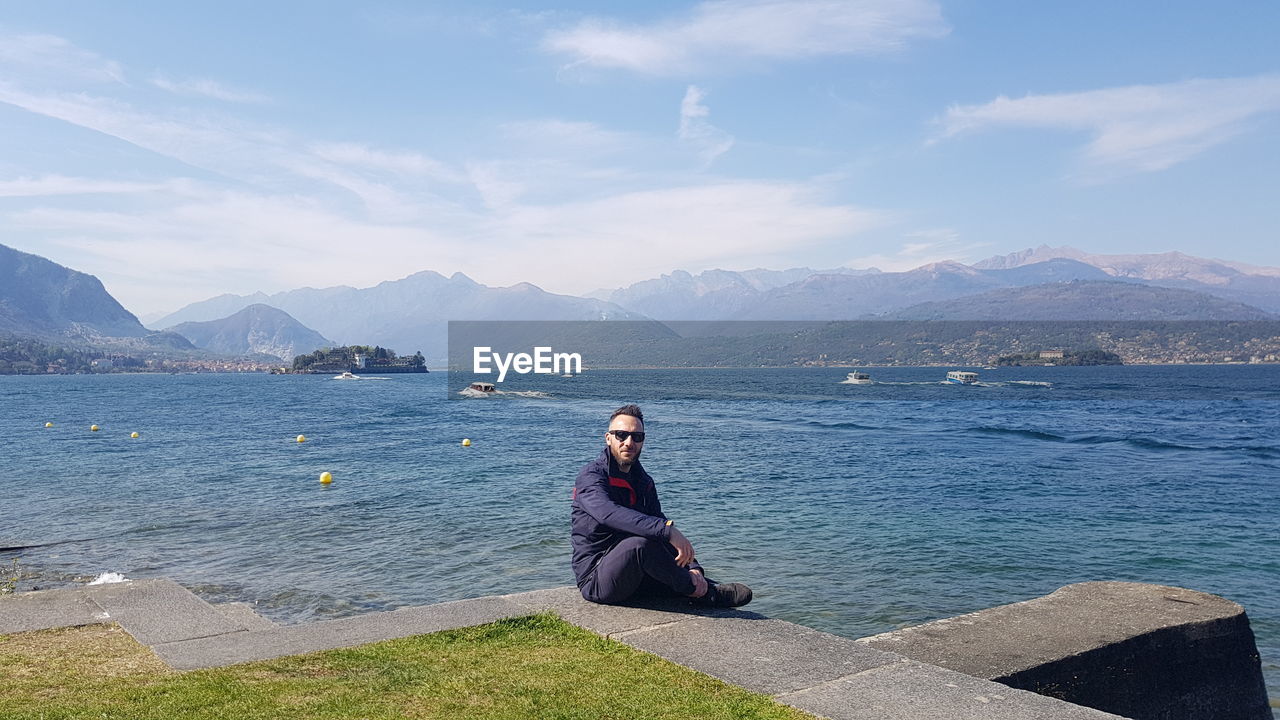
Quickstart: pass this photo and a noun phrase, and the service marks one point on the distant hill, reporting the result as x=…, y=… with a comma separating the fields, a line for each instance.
x=1249, y=284
x=256, y=329
x=40, y=298
x=840, y=294
x=1084, y=300
x=712, y=294
x=804, y=294
x=411, y=313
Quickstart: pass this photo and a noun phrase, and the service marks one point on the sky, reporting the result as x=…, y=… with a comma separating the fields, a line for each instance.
x=179, y=151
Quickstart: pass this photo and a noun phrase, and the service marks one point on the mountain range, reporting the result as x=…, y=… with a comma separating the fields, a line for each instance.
x=407, y=314
x=40, y=298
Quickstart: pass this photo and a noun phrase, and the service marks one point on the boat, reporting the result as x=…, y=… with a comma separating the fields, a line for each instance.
x=479, y=389
x=857, y=378
x=346, y=375
x=1031, y=383
x=962, y=377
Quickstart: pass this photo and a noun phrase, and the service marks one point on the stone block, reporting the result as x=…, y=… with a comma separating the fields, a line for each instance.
x=908, y=690
x=1138, y=650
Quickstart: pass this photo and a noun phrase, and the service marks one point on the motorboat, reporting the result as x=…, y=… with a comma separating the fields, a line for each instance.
x=857, y=377
x=346, y=375
x=962, y=377
x=479, y=389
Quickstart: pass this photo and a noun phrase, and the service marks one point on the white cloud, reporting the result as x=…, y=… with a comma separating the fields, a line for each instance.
x=556, y=135
x=406, y=163
x=1139, y=128
x=555, y=202
x=710, y=141
x=719, y=33
x=204, y=87
x=626, y=237
x=52, y=56
x=225, y=146
x=51, y=185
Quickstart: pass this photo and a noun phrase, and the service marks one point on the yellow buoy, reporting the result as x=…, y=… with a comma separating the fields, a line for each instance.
x=326, y=478
x=466, y=442
x=48, y=424
x=94, y=428
x=302, y=438
x=133, y=434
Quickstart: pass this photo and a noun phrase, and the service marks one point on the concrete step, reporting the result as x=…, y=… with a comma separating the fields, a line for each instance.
x=243, y=614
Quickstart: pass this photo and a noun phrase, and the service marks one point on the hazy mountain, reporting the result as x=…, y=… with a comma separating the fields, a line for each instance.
x=212, y=309
x=41, y=298
x=256, y=329
x=411, y=314
x=844, y=297
x=711, y=294
x=1249, y=284
x=1084, y=300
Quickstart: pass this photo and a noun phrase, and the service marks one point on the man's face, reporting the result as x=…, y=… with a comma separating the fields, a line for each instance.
x=624, y=451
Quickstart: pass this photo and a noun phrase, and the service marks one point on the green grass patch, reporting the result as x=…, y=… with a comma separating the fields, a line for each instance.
x=531, y=667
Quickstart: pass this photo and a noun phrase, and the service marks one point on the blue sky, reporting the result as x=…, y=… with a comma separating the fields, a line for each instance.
x=178, y=152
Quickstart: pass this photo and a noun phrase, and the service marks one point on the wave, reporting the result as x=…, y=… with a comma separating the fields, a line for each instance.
x=838, y=425
x=1145, y=443
x=1019, y=432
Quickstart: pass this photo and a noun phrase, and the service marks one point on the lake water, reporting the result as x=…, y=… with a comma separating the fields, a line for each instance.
x=852, y=509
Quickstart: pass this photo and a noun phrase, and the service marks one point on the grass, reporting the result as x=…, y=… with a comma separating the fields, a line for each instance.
x=531, y=667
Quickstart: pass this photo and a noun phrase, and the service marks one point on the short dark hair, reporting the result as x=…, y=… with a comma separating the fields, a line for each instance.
x=632, y=410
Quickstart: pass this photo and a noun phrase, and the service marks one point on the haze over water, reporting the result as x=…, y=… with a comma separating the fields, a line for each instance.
x=852, y=509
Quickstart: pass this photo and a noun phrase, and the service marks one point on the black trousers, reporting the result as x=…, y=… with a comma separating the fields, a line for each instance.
x=637, y=566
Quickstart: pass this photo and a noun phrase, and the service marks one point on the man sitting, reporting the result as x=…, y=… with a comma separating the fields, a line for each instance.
x=623, y=544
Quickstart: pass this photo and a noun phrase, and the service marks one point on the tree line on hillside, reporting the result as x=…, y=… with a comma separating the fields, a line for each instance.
x=23, y=356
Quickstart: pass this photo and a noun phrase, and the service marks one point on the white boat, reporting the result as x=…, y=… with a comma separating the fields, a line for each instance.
x=348, y=375
x=479, y=389
x=962, y=377
x=857, y=378
x=1031, y=383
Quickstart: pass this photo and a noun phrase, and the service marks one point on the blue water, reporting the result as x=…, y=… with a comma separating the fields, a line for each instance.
x=853, y=509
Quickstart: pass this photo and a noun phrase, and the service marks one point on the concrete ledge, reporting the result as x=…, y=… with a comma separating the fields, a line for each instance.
x=1144, y=651
x=282, y=640
x=766, y=656
x=45, y=609
x=159, y=611
x=1139, y=650
x=908, y=690
x=614, y=620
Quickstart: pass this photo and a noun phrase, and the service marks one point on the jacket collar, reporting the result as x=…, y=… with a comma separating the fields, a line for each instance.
x=611, y=464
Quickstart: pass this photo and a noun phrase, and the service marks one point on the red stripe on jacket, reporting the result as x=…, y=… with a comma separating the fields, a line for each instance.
x=619, y=482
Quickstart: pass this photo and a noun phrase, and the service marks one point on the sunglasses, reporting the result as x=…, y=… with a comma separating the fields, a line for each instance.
x=622, y=435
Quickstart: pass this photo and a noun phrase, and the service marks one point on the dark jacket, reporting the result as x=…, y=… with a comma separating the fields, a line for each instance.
x=607, y=509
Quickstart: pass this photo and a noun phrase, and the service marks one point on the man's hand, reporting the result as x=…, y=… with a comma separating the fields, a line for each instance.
x=699, y=583
x=684, y=548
